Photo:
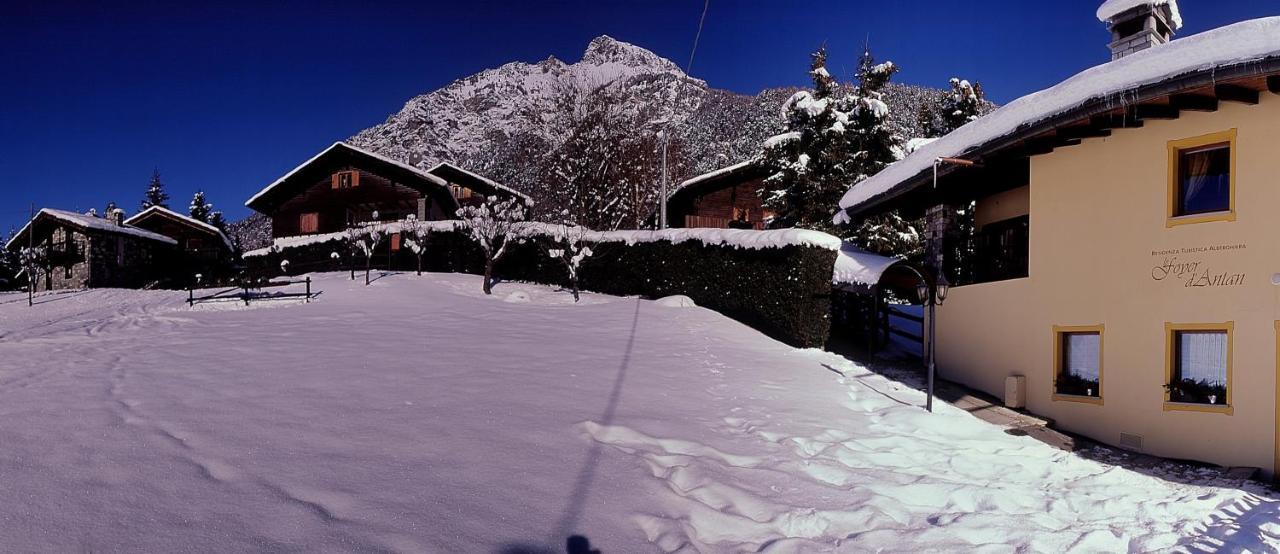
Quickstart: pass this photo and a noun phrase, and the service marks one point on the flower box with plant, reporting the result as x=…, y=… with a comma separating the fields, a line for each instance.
x=1197, y=391
x=1076, y=385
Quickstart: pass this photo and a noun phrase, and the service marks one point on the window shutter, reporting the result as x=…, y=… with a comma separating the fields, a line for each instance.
x=334, y=180
x=355, y=178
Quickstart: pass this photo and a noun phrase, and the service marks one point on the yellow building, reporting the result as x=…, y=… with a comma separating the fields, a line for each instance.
x=1126, y=244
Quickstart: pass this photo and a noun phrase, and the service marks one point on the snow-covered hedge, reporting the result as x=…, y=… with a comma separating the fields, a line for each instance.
x=776, y=281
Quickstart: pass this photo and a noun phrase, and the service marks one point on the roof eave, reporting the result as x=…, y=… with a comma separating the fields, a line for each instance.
x=1089, y=108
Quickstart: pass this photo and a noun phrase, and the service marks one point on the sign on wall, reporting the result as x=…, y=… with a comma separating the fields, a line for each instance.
x=1197, y=266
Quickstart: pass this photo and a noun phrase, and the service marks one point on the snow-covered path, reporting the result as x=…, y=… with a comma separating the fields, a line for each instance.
x=418, y=415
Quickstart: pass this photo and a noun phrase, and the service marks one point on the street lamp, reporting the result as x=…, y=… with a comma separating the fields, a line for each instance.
x=932, y=296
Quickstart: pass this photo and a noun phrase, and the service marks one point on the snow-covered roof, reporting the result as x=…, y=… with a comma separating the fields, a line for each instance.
x=437, y=169
x=1111, y=8
x=712, y=175
x=855, y=266
x=90, y=222
x=335, y=146
x=1112, y=84
x=175, y=215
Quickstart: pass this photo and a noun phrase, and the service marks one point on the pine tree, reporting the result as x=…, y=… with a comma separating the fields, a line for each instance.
x=835, y=136
x=963, y=104
x=216, y=219
x=9, y=264
x=155, y=196
x=889, y=233
x=200, y=209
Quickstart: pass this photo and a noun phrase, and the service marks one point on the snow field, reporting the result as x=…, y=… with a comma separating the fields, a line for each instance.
x=418, y=415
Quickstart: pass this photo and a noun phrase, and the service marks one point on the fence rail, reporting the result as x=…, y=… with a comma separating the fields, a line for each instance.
x=253, y=289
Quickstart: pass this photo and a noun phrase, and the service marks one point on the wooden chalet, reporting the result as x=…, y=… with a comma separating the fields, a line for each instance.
x=725, y=198
x=345, y=185
x=87, y=251
x=204, y=249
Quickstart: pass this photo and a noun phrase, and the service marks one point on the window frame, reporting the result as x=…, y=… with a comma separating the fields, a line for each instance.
x=1171, y=331
x=1059, y=333
x=1176, y=148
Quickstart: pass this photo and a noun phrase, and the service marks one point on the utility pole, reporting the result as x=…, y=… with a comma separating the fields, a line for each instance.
x=31, y=233
x=662, y=208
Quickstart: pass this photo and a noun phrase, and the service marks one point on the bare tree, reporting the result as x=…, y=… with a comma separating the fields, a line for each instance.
x=570, y=247
x=366, y=240
x=415, y=233
x=494, y=225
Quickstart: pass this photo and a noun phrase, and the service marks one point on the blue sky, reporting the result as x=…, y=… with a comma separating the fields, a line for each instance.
x=227, y=96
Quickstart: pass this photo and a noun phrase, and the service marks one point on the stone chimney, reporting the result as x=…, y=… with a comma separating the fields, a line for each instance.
x=117, y=217
x=1137, y=25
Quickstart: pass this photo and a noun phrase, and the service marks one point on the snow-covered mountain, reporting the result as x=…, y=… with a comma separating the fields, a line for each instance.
x=502, y=121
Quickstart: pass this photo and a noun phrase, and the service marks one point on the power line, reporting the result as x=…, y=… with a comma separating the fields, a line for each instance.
x=666, y=130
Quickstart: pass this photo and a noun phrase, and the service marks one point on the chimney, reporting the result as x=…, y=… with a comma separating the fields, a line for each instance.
x=117, y=217
x=1137, y=25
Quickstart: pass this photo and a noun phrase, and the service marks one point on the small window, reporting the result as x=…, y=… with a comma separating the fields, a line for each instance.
x=1199, y=367
x=346, y=179
x=1078, y=363
x=1201, y=179
x=309, y=223
x=460, y=192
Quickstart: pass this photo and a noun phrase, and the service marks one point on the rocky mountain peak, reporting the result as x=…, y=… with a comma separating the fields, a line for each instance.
x=605, y=49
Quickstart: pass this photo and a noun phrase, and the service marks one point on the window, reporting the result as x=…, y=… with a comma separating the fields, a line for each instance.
x=1077, y=370
x=460, y=192
x=1198, y=367
x=1202, y=179
x=346, y=179
x=194, y=243
x=309, y=223
x=1000, y=251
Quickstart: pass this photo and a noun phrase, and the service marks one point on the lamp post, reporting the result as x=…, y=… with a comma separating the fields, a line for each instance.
x=935, y=294
x=932, y=295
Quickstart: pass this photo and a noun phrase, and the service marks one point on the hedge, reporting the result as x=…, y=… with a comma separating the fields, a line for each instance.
x=783, y=291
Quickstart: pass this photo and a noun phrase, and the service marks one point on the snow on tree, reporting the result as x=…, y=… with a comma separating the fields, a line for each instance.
x=835, y=135
x=963, y=104
x=155, y=196
x=216, y=219
x=494, y=224
x=607, y=172
x=414, y=233
x=364, y=239
x=34, y=261
x=570, y=247
x=200, y=209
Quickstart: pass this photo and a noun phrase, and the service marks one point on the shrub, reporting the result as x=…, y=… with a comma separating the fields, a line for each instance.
x=783, y=291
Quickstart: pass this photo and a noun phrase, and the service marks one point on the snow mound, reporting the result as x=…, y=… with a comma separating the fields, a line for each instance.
x=518, y=297
x=676, y=301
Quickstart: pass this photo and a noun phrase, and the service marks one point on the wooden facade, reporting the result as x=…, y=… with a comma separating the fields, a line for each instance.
x=345, y=185
x=202, y=248
x=728, y=198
